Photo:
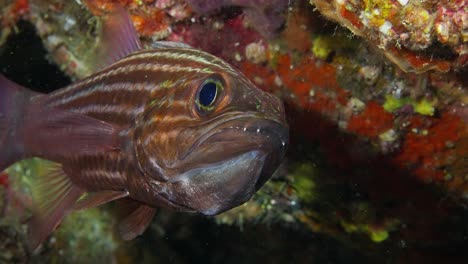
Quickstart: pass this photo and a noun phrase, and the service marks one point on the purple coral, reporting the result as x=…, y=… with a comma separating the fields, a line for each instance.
x=266, y=16
x=204, y=7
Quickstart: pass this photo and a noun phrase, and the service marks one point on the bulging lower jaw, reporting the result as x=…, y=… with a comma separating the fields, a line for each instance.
x=226, y=167
x=215, y=188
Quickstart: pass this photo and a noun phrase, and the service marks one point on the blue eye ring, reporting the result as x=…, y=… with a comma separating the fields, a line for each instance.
x=208, y=94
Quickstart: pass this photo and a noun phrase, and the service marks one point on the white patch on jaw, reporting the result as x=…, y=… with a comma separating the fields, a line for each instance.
x=219, y=184
x=226, y=168
x=155, y=165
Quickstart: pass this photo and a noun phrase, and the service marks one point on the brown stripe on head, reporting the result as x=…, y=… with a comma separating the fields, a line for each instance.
x=119, y=92
x=148, y=66
x=120, y=114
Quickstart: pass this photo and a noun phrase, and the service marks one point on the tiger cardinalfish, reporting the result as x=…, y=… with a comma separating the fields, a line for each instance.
x=169, y=126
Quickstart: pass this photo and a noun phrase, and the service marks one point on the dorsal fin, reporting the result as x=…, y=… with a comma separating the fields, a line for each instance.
x=54, y=196
x=170, y=44
x=118, y=38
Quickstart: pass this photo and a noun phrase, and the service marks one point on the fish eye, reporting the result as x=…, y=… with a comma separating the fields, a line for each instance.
x=207, y=94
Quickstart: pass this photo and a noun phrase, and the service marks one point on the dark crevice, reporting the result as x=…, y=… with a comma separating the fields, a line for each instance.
x=23, y=59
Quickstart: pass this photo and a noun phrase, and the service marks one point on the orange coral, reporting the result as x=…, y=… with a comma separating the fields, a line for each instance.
x=262, y=76
x=151, y=23
x=406, y=59
x=14, y=12
x=373, y=121
x=98, y=6
x=427, y=148
x=20, y=7
x=4, y=179
x=148, y=20
x=313, y=83
x=297, y=35
x=408, y=33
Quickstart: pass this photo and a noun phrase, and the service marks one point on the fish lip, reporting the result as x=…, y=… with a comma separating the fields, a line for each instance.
x=262, y=127
x=259, y=134
x=256, y=124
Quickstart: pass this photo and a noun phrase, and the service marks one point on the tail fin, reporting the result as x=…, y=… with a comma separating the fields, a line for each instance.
x=13, y=99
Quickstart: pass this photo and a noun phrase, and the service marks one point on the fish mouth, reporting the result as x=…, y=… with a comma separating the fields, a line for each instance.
x=227, y=165
x=238, y=135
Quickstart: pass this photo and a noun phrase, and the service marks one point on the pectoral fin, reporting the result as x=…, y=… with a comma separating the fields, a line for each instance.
x=137, y=222
x=54, y=196
x=98, y=198
x=55, y=133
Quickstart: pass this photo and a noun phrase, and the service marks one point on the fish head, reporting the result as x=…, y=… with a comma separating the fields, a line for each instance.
x=216, y=141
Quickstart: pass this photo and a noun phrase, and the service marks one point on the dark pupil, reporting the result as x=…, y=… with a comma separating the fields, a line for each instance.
x=207, y=94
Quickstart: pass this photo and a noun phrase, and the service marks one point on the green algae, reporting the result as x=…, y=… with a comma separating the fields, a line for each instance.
x=379, y=235
x=423, y=107
x=323, y=45
x=89, y=232
x=304, y=182
x=375, y=234
x=22, y=174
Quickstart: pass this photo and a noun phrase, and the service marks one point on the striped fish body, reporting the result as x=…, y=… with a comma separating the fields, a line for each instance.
x=171, y=126
x=126, y=95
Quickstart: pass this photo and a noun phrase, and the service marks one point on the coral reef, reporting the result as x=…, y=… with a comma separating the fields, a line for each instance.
x=76, y=234
x=266, y=16
x=416, y=35
x=11, y=11
x=377, y=161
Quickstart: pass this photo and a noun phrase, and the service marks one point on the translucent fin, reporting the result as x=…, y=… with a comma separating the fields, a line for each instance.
x=7, y=153
x=55, y=133
x=169, y=44
x=98, y=198
x=118, y=38
x=137, y=222
x=54, y=196
x=13, y=102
